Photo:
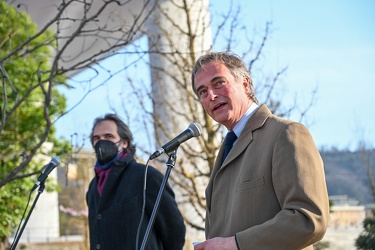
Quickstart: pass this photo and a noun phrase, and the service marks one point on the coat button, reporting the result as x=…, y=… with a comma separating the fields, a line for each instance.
x=97, y=246
x=99, y=216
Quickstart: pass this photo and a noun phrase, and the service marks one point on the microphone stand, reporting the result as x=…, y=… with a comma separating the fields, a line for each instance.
x=18, y=236
x=170, y=164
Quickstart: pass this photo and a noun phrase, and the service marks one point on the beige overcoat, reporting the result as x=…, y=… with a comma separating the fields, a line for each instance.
x=270, y=191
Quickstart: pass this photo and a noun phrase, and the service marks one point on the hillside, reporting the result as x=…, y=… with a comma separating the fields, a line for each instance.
x=346, y=174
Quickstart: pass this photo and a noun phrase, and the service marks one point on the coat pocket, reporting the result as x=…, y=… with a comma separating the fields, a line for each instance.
x=246, y=185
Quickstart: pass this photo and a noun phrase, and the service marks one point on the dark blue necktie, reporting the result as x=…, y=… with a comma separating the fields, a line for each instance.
x=229, y=140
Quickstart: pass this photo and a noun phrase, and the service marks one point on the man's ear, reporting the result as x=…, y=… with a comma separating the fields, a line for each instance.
x=246, y=84
x=125, y=144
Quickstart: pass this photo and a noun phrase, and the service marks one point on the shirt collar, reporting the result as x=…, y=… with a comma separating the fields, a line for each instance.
x=242, y=122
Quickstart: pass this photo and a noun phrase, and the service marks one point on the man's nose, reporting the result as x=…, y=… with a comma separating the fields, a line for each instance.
x=211, y=94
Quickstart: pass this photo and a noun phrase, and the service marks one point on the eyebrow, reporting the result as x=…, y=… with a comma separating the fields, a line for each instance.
x=212, y=80
x=106, y=134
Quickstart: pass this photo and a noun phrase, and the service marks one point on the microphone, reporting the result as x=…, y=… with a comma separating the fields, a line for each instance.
x=194, y=130
x=50, y=166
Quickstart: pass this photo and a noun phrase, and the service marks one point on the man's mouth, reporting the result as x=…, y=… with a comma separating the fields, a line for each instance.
x=218, y=106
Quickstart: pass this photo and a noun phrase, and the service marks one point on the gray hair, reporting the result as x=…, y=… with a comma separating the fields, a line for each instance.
x=232, y=61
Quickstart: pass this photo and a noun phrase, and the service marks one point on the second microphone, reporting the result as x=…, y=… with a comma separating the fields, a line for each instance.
x=194, y=130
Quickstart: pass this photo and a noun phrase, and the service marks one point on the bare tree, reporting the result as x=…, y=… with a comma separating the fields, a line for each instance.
x=196, y=157
x=79, y=34
x=72, y=35
x=366, y=154
x=82, y=39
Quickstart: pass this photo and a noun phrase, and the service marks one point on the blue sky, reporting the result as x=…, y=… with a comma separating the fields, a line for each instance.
x=329, y=45
x=325, y=44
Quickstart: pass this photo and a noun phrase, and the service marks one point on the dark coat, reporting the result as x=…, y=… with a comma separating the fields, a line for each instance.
x=114, y=217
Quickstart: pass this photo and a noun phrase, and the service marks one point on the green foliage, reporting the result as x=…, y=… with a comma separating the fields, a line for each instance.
x=366, y=240
x=26, y=76
x=13, y=198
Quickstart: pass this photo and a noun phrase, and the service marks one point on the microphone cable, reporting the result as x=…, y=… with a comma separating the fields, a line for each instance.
x=143, y=205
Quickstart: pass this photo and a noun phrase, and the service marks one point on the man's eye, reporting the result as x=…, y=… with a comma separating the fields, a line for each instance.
x=202, y=92
x=219, y=83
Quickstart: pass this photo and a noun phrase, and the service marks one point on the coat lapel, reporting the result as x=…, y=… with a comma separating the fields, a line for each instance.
x=113, y=178
x=255, y=122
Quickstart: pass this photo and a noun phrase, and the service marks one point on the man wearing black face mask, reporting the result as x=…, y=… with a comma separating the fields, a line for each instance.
x=115, y=195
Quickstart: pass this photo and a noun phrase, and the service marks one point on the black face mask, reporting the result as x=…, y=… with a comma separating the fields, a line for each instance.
x=105, y=151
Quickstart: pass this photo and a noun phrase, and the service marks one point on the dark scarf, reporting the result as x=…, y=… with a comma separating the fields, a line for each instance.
x=102, y=171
